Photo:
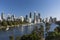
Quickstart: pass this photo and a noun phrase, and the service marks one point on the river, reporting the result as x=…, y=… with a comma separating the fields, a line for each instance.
x=21, y=30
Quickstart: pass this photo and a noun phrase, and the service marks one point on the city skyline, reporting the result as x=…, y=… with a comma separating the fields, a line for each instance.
x=46, y=8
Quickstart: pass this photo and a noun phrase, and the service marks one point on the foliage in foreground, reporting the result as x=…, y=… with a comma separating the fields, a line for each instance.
x=54, y=35
x=37, y=34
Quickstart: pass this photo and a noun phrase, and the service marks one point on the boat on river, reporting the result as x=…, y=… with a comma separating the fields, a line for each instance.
x=7, y=28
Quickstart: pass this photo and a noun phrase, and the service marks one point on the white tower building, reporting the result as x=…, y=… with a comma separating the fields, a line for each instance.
x=22, y=18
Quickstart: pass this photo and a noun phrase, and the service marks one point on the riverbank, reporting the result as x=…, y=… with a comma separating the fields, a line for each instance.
x=27, y=24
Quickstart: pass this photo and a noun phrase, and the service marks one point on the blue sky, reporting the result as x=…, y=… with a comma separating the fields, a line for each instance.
x=46, y=8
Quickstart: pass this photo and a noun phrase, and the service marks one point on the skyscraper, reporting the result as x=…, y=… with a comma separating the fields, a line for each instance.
x=9, y=17
x=2, y=16
x=50, y=20
x=46, y=20
x=34, y=17
x=30, y=15
x=26, y=17
x=38, y=15
x=54, y=20
x=13, y=17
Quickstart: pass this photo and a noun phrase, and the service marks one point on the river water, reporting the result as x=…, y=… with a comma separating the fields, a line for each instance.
x=21, y=30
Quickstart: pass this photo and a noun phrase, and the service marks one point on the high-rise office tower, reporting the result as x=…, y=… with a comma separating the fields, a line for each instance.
x=26, y=17
x=37, y=18
x=2, y=15
x=46, y=20
x=30, y=15
x=13, y=17
x=38, y=15
x=50, y=20
x=34, y=17
x=54, y=20
x=9, y=17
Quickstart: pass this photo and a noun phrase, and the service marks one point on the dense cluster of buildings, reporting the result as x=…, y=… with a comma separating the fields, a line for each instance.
x=36, y=18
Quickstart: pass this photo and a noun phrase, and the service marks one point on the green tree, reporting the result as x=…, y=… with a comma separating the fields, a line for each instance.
x=41, y=32
x=47, y=25
x=9, y=23
x=4, y=23
x=55, y=35
x=57, y=29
